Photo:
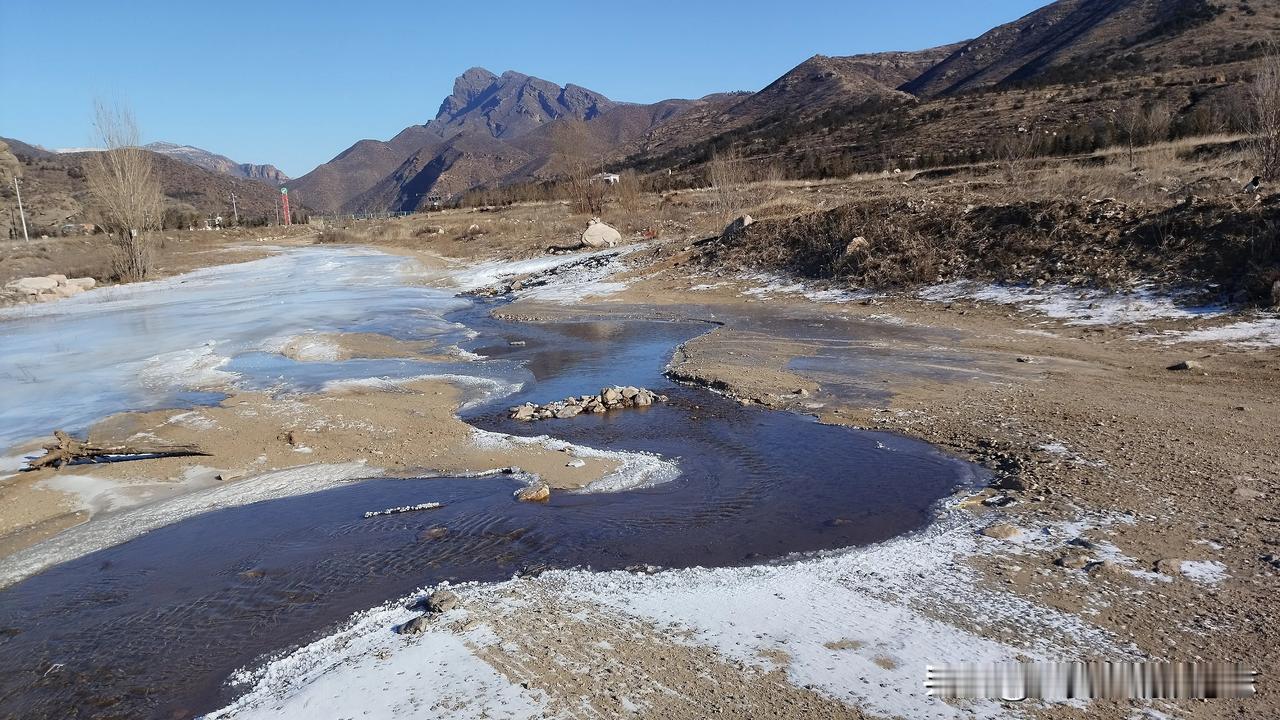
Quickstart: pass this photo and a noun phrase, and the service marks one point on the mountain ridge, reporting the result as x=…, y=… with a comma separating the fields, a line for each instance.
x=218, y=163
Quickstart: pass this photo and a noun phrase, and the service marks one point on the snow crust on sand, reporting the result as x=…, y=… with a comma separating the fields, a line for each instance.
x=764, y=285
x=1259, y=333
x=484, y=388
x=635, y=469
x=306, y=347
x=1205, y=572
x=115, y=528
x=492, y=272
x=367, y=671
x=905, y=601
x=1078, y=307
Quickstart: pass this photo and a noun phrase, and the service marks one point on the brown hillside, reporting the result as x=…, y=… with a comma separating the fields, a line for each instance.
x=1074, y=40
x=54, y=190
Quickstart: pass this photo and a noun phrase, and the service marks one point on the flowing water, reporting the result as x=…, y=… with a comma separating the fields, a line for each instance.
x=153, y=627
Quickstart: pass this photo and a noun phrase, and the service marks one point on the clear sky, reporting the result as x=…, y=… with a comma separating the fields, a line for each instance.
x=295, y=82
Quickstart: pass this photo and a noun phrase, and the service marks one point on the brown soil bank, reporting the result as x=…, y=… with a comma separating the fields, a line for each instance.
x=902, y=242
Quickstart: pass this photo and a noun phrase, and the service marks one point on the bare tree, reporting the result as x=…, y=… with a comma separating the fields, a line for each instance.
x=629, y=192
x=1157, y=120
x=1264, y=97
x=10, y=169
x=569, y=139
x=1132, y=123
x=124, y=189
x=1014, y=152
x=726, y=172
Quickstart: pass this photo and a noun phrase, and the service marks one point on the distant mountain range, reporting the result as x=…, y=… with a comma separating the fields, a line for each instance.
x=219, y=163
x=827, y=112
x=1063, y=69
x=210, y=161
x=54, y=190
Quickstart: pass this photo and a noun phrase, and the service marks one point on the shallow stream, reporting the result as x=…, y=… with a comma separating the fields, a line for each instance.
x=154, y=626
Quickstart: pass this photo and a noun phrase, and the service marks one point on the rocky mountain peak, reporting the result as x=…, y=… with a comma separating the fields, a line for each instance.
x=511, y=104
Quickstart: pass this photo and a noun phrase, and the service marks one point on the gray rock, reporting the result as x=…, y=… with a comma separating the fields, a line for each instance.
x=568, y=411
x=442, y=601
x=1074, y=560
x=415, y=626
x=1186, y=365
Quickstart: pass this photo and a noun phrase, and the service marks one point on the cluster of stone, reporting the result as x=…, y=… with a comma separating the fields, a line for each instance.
x=46, y=287
x=610, y=398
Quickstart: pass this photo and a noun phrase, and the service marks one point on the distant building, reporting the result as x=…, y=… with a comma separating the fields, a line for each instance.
x=607, y=178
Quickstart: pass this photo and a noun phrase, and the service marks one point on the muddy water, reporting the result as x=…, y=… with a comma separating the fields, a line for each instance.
x=153, y=627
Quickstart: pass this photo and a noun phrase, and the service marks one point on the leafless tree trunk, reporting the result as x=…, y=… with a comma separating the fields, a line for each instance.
x=1265, y=99
x=124, y=189
x=1129, y=118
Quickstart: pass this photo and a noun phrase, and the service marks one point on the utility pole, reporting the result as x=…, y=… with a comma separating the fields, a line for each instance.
x=21, y=213
x=277, y=209
x=234, y=211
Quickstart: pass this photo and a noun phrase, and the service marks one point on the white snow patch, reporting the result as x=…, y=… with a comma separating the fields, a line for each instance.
x=764, y=285
x=484, y=274
x=635, y=469
x=193, y=419
x=1259, y=333
x=304, y=348
x=1205, y=572
x=487, y=387
x=1078, y=307
x=368, y=671
x=10, y=464
x=195, y=368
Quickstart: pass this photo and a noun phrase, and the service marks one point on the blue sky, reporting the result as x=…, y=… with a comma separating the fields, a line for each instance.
x=294, y=83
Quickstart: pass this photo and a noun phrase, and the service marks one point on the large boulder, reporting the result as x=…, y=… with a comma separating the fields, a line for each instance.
x=35, y=285
x=599, y=235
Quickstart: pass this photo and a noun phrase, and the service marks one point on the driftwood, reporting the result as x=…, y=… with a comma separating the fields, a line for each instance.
x=67, y=450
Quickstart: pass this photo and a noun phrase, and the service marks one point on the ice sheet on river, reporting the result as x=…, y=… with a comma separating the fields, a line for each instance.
x=146, y=345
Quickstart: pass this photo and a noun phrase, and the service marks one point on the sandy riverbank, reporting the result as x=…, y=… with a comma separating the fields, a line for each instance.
x=1142, y=503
